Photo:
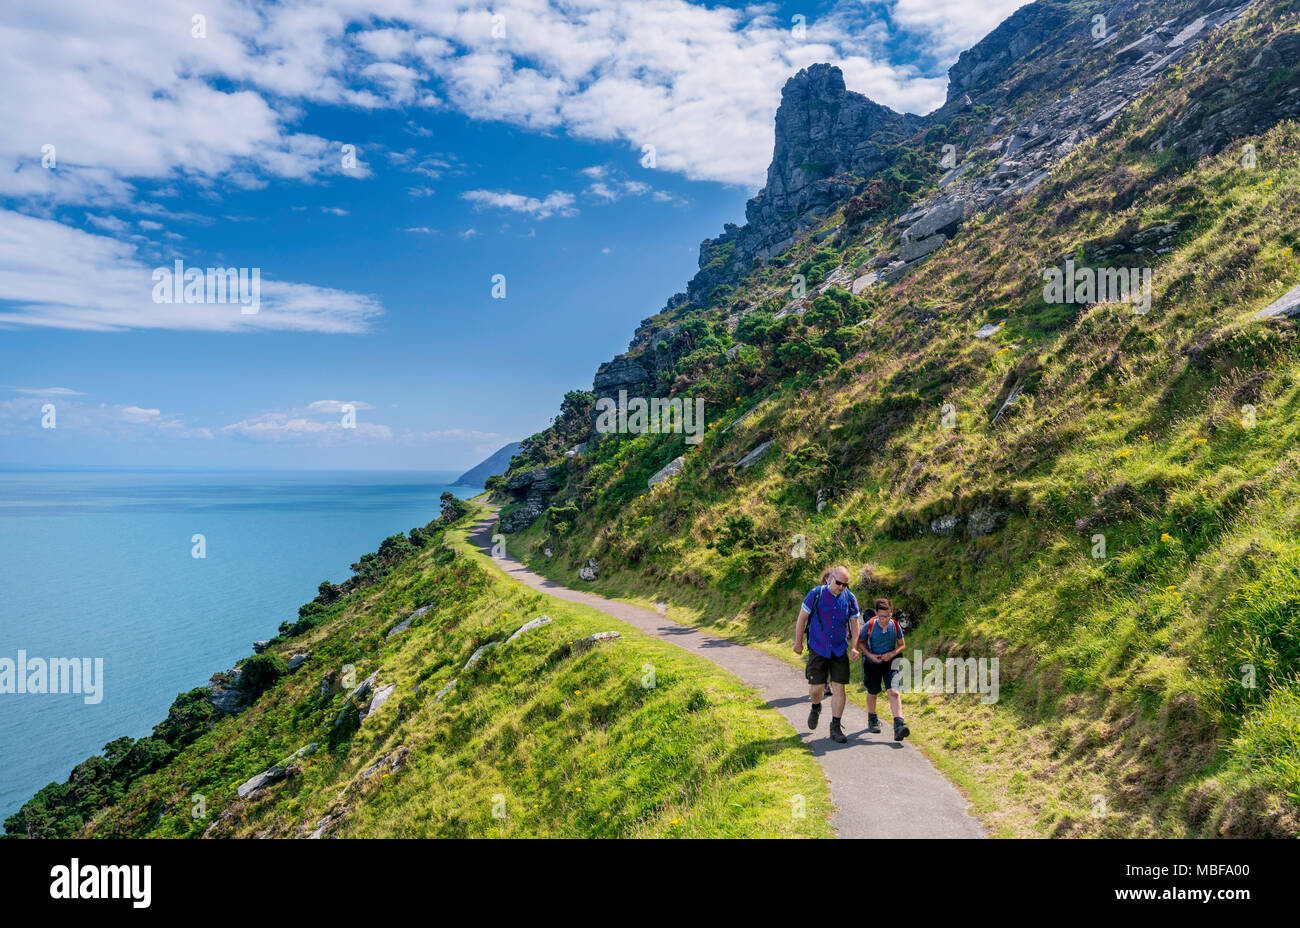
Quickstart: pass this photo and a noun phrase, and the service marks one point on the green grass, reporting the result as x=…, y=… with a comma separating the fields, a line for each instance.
x=1123, y=674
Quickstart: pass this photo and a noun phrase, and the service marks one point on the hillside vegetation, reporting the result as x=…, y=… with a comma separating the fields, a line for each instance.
x=628, y=737
x=1103, y=499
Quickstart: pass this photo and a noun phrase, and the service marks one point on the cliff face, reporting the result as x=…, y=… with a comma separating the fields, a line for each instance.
x=1039, y=85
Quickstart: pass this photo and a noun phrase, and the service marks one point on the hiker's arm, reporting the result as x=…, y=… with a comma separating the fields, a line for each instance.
x=798, y=630
x=855, y=625
x=902, y=643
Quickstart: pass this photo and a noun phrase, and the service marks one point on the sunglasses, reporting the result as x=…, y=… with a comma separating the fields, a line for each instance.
x=839, y=582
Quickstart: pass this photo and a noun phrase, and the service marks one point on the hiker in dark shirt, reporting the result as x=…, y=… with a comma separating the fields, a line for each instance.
x=881, y=644
x=830, y=615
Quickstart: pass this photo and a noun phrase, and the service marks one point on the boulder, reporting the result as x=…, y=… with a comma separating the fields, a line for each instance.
x=1286, y=305
x=297, y=661
x=911, y=250
x=381, y=696
x=990, y=329
x=529, y=626
x=586, y=644
x=591, y=571
x=668, y=471
x=945, y=212
x=260, y=646
x=751, y=459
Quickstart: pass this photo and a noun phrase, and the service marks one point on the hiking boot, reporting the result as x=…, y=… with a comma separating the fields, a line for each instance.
x=814, y=715
x=901, y=730
x=837, y=733
x=873, y=724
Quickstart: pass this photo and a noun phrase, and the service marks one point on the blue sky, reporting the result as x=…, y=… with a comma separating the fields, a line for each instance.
x=490, y=139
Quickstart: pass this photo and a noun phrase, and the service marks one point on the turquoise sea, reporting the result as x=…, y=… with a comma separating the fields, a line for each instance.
x=98, y=564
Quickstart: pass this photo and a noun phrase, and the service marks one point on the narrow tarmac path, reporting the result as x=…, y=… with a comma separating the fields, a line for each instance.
x=880, y=788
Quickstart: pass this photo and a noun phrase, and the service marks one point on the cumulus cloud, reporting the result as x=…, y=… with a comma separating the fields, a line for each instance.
x=126, y=92
x=557, y=203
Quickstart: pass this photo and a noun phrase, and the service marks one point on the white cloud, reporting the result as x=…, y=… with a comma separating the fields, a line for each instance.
x=333, y=211
x=557, y=203
x=102, y=420
x=55, y=276
x=49, y=391
x=126, y=94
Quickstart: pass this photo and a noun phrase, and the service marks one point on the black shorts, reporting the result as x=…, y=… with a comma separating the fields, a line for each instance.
x=874, y=675
x=818, y=667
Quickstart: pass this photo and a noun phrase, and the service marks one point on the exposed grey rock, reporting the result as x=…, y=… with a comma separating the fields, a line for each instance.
x=911, y=250
x=668, y=471
x=990, y=329
x=363, y=689
x=529, y=626
x=478, y=654
x=751, y=459
x=984, y=520
x=860, y=284
x=576, y=450
x=586, y=644
x=381, y=696
x=260, y=646
x=824, y=496
x=1286, y=305
x=742, y=417
x=445, y=690
x=591, y=571
x=272, y=774
x=225, y=699
x=535, y=487
x=297, y=661
x=1010, y=401
x=946, y=212
x=733, y=351
x=944, y=525
x=399, y=627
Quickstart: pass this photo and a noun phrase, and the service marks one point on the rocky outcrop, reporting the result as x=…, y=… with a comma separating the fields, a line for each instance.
x=823, y=132
x=983, y=67
x=274, y=773
x=591, y=571
x=533, y=489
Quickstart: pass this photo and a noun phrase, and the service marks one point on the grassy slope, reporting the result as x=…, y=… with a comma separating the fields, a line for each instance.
x=1121, y=675
x=576, y=747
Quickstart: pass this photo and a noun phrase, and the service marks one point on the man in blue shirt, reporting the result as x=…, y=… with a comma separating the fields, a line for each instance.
x=830, y=615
